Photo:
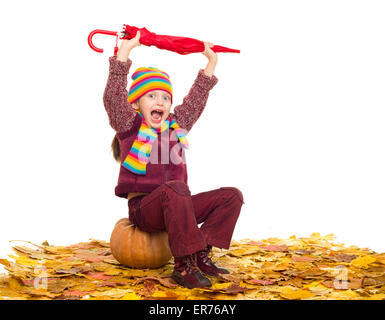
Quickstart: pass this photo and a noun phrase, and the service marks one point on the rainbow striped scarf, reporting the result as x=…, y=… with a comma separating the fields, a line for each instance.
x=139, y=154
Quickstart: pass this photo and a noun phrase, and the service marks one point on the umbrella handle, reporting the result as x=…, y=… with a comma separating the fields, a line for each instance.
x=112, y=33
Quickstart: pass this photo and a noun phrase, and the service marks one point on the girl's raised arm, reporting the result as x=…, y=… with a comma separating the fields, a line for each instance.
x=194, y=103
x=120, y=112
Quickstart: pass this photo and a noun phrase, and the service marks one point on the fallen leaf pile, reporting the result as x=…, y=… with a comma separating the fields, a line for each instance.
x=311, y=268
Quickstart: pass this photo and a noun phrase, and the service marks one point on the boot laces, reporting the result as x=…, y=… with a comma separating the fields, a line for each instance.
x=207, y=255
x=190, y=262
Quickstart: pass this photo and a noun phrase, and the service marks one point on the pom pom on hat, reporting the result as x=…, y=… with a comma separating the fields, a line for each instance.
x=147, y=79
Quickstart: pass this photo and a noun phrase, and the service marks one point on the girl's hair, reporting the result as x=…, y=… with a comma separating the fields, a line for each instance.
x=115, y=148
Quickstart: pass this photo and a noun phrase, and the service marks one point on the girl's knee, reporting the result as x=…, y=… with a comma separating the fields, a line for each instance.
x=234, y=193
x=178, y=187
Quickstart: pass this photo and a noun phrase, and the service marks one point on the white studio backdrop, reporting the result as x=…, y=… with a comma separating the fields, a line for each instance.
x=296, y=121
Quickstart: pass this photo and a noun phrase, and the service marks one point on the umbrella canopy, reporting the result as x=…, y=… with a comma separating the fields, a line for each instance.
x=181, y=45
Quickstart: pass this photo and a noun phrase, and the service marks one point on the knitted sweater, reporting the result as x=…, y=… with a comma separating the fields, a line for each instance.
x=126, y=122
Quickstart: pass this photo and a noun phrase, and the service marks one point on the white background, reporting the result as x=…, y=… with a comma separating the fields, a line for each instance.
x=296, y=121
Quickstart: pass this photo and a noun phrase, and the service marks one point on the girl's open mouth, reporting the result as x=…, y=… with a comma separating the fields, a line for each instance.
x=156, y=116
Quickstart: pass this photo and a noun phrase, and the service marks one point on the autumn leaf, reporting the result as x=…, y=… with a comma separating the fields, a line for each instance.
x=230, y=278
x=131, y=296
x=380, y=257
x=165, y=295
x=303, y=251
x=295, y=282
x=363, y=262
x=230, y=288
x=260, y=282
x=167, y=282
x=303, y=259
x=255, y=243
x=273, y=247
x=112, y=293
x=75, y=293
x=99, y=276
x=295, y=294
x=342, y=257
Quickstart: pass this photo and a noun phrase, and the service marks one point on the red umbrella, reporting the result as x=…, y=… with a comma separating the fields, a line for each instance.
x=181, y=45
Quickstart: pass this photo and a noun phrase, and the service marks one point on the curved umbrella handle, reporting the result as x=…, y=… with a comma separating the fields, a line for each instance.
x=112, y=33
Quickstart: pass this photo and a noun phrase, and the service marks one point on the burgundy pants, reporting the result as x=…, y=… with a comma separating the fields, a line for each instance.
x=172, y=208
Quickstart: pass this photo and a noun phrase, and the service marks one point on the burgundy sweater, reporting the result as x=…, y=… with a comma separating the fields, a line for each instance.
x=126, y=122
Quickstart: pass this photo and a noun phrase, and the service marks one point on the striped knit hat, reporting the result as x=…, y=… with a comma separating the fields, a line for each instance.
x=147, y=79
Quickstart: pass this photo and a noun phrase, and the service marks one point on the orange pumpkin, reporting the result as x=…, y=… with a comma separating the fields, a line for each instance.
x=135, y=248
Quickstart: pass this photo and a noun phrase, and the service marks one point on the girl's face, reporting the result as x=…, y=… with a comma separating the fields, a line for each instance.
x=155, y=107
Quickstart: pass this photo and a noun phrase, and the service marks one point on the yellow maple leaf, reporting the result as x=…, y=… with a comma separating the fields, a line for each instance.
x=312, y=284
x=317, y=288
x=131, y=296
x=344, y=295
x=22, y=260
x=363, y=261
x=14, y=284
x=222, y=285
x=223, y=296
x=295, y=294
x=113, y=272
x=166, y=294
x=317, y=236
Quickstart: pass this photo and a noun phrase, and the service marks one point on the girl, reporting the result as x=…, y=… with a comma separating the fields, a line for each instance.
x=149, y=144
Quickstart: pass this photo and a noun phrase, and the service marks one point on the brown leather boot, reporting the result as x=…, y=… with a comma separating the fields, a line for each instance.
x=187, y=274
x=205, y=263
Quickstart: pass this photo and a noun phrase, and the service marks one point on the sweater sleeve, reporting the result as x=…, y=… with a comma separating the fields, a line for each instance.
x=120, y=112
x=194, y=103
